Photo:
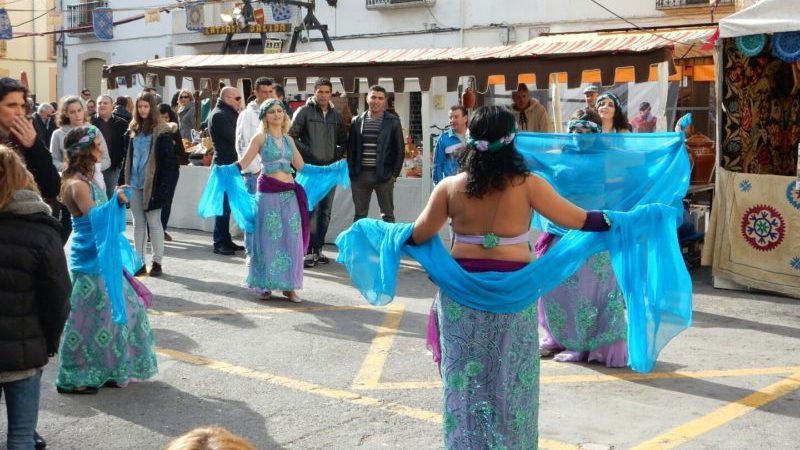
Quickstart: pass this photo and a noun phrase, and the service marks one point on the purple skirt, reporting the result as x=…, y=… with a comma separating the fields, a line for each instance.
x=584, y=318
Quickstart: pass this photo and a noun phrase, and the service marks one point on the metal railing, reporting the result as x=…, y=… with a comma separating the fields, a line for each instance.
x=380, y=4
x=669, y=4
x=80, y=15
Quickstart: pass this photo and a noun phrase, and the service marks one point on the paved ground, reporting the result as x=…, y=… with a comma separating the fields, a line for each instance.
x=335, y=373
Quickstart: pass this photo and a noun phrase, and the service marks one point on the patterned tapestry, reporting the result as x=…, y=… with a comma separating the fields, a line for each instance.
x=754, y=234
x=761, y=129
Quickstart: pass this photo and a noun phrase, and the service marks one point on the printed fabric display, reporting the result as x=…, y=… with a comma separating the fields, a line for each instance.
x=639, y=179
x=754, y=234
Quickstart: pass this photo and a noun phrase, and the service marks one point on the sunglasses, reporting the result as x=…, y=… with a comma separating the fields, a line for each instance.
x=184, y=96
x=238, y=99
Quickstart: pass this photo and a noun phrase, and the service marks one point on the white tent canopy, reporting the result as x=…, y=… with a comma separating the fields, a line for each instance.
x=766, y=16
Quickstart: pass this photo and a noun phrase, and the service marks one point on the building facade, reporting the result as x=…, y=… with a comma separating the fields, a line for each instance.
x=27, y=57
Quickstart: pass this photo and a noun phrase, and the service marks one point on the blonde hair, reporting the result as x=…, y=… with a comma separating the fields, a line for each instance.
x=210, y=438
x=13, y=176
x=284, y=125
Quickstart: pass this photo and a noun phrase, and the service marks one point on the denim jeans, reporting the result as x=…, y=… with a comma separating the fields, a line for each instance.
x=22, y=405
x=222, y=231
x=319, y=221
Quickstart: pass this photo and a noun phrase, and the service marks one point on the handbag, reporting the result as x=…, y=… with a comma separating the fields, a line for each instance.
x=144, y=294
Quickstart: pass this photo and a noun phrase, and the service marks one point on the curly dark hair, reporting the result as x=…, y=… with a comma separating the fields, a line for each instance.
x=491, y=171
x=81, y=161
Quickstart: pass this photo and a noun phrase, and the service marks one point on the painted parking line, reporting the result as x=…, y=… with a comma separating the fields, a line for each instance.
x=721, y=416
x=264, y=310
x=322, y=391
x=371, y=369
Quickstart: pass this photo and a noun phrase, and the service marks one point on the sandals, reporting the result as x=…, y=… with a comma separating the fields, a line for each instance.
x=266, y=295
x=83, y=390
x=292, y=296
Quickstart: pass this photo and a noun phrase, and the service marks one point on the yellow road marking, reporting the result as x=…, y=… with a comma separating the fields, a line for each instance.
x=577, y=379
x=721, y=416
x=322, y=391
x=265, y=310
x=372, y=367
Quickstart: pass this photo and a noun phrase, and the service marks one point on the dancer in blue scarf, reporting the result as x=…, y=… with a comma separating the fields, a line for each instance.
x=107, y=340
x=488, y=287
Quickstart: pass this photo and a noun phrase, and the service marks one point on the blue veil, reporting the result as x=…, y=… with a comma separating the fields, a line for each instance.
x=638, y=178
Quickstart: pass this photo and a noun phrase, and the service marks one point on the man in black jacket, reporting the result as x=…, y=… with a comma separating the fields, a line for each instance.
x=44, y=124
x=18, y=133
x=375, y=156
x=318, y=131
x=115, y=132
x=222, y=129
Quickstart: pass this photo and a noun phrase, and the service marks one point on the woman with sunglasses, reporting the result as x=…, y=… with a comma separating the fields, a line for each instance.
x=614, y=119
x=186, y=114
x=583, y=319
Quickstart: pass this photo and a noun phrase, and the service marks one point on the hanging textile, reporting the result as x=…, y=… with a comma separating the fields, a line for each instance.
x=786, y=46
x=645, y=174
x=152, y=15
x=5, y=26
x=103, y=23
x=319, y=180
x=194, y=16
x=281, y=13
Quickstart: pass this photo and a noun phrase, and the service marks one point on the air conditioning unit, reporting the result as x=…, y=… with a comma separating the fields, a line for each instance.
x=384, y=4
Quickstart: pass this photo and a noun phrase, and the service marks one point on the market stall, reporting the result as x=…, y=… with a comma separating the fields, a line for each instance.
x=754, y=238
x=604, y=57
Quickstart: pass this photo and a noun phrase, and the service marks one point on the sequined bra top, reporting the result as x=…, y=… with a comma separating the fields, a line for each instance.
x=274, y=158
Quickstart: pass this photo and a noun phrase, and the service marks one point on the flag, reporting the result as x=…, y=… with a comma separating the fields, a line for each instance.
x=281, y=13
x=5, y=25
x=152, y=15
x=103, y=23
x=258, y=15
x=194, y=16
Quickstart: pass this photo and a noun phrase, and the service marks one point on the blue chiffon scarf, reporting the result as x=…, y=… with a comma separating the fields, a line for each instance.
x=636, y=178
x=316, y=180
x=99, y=246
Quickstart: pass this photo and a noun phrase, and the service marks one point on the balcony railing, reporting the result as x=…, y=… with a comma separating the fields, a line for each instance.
x=670, y=4
x=80, y=15
x=381, y=4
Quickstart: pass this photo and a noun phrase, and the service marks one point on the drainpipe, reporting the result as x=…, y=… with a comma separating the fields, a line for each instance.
x=462, y=19
x=33, y=52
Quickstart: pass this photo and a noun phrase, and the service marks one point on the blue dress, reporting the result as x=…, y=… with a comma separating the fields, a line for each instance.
x=276, y=262
x=94, y=349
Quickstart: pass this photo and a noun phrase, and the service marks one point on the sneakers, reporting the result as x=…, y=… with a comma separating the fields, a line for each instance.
x=155, y=270
x=322, y=259
x=310, y=260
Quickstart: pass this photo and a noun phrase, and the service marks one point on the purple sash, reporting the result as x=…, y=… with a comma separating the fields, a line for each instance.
x=271, y=185
x=470, y=265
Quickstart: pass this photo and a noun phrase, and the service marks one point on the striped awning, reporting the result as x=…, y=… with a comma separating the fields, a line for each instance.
x=564, y=53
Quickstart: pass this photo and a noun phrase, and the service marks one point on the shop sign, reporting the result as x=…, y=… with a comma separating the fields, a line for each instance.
x=253, y=28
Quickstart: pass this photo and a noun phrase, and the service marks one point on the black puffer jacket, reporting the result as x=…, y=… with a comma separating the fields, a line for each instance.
x=34, y=286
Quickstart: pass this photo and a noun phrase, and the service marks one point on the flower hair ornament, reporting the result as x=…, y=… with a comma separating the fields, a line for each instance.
x=614, y=98
x=581, y=123
x=491, y=147
x=266, y=106
x=84, y=142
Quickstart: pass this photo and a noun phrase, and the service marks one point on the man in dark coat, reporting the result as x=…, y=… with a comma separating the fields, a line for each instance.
x=222, y=129
x=115, y=132
x=44, y=124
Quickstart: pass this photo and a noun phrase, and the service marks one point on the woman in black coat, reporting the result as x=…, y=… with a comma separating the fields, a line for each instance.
x=34, y=295
x=169, y=117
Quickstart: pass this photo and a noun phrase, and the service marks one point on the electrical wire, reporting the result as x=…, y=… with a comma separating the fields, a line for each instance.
x=636, y=26
x=31, y=20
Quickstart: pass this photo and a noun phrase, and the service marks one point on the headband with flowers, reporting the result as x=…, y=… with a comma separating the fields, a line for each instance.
x=267, y=105
x=486, y=146
x=613, y=98
x=84, y=142
x=582, y=123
